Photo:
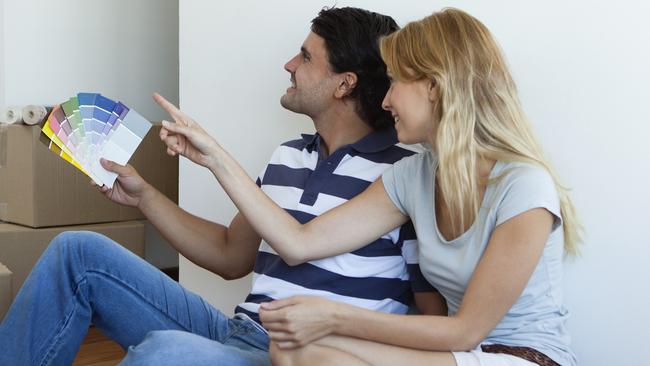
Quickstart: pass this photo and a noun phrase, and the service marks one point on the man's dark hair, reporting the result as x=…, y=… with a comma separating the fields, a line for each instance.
x=352, y=40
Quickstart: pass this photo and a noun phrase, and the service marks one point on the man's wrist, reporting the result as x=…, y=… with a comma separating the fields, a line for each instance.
x=148, y=195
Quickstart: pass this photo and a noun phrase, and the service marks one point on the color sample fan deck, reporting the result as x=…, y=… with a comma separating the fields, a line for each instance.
x=89, y=127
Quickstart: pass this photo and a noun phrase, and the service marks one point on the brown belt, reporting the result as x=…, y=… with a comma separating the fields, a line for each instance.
x=526, y=353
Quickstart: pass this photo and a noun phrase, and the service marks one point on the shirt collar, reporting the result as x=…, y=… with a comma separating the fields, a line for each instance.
x=373, y=142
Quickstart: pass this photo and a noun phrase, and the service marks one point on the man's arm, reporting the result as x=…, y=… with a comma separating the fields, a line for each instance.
x=227, y=251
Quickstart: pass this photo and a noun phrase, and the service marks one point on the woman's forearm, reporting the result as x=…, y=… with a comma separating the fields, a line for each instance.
x=426, y=332
x=271, y=222
x=334, y=232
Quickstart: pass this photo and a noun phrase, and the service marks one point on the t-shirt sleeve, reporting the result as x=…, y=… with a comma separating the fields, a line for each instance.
x=409, y=245
x=395, y=188
x=528, y=187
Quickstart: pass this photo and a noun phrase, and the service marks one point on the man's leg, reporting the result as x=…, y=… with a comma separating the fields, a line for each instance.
x=84, y=277
x=177, y=348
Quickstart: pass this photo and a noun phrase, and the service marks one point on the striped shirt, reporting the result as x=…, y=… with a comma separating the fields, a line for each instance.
x=380, y=276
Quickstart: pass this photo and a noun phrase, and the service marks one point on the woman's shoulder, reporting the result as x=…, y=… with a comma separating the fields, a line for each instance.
x=520, y=186
x=518, y=172
x=423, y=160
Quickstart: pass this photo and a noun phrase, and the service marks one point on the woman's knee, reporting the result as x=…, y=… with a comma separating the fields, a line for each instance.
x=280, y=357
x=309, y=355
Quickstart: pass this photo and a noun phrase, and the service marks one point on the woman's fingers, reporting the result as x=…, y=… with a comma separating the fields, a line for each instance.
x=177, y=128
x=278, y=304
x=282, y=337
x=288, y=345
x=176, y=114
x=271, y=316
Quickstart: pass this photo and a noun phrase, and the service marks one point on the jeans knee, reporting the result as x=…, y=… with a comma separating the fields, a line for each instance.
x=80, y=242
x=161, y=347
x=174, y=347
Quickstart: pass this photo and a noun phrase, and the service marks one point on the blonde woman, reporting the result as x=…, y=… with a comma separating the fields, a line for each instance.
x=492, y=221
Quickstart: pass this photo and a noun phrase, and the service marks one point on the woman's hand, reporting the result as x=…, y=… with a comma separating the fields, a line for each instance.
x=186, y=137
x=297, y=321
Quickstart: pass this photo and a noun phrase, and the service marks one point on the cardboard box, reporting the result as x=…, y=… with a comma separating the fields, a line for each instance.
x=39, y=189
x=21, y=247
x=5, y=290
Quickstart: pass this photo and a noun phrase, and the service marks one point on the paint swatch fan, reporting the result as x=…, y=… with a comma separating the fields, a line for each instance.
x=90, y=126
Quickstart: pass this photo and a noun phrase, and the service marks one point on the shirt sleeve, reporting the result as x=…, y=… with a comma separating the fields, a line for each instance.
x=528, y=187
x=395, y=187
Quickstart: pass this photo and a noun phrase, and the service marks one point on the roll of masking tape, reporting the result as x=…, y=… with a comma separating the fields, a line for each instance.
x=11, y=115
x=35, y=114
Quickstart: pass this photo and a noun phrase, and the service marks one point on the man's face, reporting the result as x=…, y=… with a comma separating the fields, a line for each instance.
x=312, y=82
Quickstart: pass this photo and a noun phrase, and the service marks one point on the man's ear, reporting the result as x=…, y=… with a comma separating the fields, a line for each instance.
x=433, y=90
x=346, y=85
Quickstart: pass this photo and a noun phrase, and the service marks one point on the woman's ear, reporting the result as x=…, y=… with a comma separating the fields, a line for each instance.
x=347, y=85
x=433, y=90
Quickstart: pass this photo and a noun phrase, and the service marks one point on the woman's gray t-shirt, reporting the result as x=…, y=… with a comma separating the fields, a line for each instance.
x=538, y=317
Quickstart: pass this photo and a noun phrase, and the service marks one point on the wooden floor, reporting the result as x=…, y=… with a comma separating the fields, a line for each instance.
x=98, y=350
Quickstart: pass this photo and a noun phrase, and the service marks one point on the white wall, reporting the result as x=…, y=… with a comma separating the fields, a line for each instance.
x=126, y=50
x=123, y=49
x=2, y=52
x=582, y=70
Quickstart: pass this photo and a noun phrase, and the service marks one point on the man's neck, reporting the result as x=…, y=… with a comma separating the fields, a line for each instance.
x=340, y=129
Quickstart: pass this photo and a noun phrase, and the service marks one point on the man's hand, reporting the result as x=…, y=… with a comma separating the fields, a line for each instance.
x=299, y=320
x=185, y=137
x=129, y=187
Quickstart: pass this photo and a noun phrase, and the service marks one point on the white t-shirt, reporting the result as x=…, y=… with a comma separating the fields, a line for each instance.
x=538, y=317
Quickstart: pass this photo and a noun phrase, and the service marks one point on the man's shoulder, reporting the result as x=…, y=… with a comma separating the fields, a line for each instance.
x=299, y=143
x=389, y=155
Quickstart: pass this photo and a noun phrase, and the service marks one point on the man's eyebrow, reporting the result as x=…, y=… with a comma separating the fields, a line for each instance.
x=304, y=51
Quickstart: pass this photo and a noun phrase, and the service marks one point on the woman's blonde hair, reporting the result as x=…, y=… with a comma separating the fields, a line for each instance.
x=479, y=112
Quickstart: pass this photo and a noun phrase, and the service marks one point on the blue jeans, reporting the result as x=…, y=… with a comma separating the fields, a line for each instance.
x=84, y=277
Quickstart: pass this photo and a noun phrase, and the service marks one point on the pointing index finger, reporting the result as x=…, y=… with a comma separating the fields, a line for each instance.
x=169, y=107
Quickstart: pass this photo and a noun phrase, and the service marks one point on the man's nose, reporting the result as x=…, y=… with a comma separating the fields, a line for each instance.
x=290, y=66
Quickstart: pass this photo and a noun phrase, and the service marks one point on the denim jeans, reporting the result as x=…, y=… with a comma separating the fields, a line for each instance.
x=84, y=277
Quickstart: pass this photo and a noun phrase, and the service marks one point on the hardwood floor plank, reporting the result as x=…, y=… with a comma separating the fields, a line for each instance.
x=98, y=350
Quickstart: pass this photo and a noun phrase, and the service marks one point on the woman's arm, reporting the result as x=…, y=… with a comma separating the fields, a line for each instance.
x=340, y=230
x=499, y=279
x=300, y=320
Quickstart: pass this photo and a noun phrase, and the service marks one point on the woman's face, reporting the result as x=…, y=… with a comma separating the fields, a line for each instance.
x=412, y=105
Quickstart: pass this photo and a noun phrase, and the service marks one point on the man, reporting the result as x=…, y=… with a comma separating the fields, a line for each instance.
x=338, y=79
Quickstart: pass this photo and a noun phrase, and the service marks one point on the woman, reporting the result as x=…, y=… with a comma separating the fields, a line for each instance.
x=492, y=220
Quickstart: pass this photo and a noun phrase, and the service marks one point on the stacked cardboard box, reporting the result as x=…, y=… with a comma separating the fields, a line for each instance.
x=42, y=195
x=5, y=290
x=39, y=189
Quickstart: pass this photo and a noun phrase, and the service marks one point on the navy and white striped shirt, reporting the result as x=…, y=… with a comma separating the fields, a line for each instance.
x=380, y=276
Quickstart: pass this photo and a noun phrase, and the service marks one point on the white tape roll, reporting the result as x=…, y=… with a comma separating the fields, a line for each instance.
x=35, y=114
x=11, y=115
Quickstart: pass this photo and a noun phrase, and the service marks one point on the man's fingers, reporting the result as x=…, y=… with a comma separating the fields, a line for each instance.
x=169, y=107
x=114, y=167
